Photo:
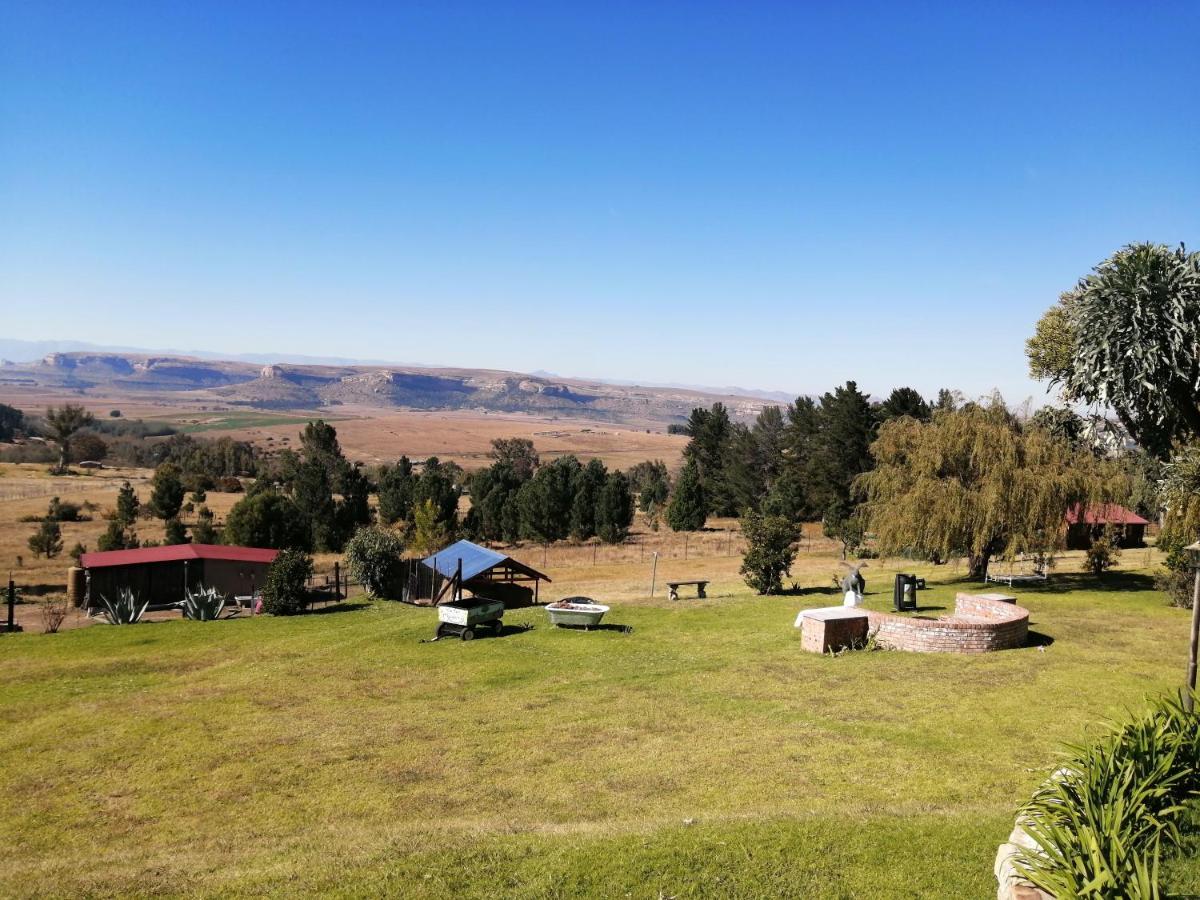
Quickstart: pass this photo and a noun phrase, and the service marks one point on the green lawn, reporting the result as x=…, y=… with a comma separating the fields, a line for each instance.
x=703, y=755
x=233, y=421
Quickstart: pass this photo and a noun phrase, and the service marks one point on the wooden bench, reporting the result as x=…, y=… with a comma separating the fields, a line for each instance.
x=674, y=586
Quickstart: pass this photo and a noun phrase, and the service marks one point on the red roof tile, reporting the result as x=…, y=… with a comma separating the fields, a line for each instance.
x=176, y=553
x=1105, y=514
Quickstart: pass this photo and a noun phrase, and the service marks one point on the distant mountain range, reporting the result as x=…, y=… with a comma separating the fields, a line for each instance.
x=18, y=351
x=283, y=385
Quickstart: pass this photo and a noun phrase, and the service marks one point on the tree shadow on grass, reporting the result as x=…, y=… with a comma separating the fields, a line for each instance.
x=344, y=606
x=1062, y=582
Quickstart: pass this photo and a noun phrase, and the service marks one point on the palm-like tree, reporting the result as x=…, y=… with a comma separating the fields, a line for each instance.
x=61, y=426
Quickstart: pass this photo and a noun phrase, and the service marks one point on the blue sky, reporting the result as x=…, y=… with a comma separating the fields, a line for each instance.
x=778, y=196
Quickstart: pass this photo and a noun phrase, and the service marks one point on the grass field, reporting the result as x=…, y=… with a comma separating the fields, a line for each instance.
x=702, y=755
x=235, y=421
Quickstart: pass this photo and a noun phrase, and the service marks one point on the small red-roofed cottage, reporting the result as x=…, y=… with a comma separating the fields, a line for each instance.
x=162, y=574
x=1127, y=527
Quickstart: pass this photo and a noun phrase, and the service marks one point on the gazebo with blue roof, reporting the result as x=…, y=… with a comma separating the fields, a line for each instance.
x=486, y=572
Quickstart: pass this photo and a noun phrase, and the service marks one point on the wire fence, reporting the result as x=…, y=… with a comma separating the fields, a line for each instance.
x=51, y=487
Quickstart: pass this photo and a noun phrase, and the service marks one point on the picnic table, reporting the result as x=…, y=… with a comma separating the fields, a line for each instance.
x=674, y=586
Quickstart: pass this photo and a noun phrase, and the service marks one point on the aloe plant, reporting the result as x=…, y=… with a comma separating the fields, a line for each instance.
x=125, y=610
x=204, y=604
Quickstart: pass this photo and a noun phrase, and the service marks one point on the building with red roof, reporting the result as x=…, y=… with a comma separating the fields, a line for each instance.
x=1086, y=524
x=163, y=574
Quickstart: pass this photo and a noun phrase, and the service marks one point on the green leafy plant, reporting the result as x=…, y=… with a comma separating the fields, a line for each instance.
x=373, y=556
x=125, y=610
x=1102, y=555
x=203, y=604
x=285, y=592
x=770, y=551
x=1101, y=822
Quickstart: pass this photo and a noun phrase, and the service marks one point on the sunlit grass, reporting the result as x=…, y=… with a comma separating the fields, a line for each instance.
x=701, y=755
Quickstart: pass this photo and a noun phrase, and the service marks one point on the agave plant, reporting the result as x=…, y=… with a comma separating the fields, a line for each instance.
x=125, y=610
x=204, y=604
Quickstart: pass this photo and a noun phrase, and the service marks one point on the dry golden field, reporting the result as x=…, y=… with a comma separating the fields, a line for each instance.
x=374, y=435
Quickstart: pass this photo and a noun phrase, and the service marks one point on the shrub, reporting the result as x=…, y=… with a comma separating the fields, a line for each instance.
x=77, y=551
x=769, y=551
x=373, y=557
x=64, y=511
x=54, y=613
x=125, y=610
x=203, y=604
x=1101, y=556
x=285, y=592
x=1178, y=585
x=47, y=540
x=228, y=484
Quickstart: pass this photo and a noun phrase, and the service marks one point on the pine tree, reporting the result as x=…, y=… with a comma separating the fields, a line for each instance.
x=905, y=401
x=429, y=534
x=47, y=540
x=545, y=500
x=117, y=537
x=687, y=510
x=175, y=533
x=439, y=484
x=313, y=497
x=711, y=433
x=166, y=497
x=614, y=509
x=204, y=532
x=589, y=483
x=841, y=449
x=396, y=484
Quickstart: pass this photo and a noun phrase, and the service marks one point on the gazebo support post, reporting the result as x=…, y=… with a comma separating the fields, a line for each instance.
x=1191, y=675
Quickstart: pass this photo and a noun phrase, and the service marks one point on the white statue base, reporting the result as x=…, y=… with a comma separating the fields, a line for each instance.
x=852, y=598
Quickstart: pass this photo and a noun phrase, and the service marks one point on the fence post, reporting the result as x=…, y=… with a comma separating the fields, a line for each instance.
x=594, y=546
x=654, y=573
x=687, y=535
x=337, y=580
x=12, y=603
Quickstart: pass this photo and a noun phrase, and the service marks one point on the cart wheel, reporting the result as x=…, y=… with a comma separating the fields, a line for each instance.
x=468, y=634
x=439, y=633
x=498, y=627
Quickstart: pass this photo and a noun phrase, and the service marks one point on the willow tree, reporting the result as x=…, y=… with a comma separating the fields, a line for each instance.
x=1179, y=492
x=976, y=482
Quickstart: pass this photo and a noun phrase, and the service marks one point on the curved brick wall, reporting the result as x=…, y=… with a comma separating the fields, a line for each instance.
x=979, y=624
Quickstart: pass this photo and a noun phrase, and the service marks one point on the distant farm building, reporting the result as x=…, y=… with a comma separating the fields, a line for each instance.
x=1128, y=529
x=162, y=574
x=486, y=573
